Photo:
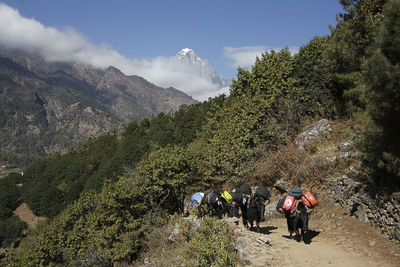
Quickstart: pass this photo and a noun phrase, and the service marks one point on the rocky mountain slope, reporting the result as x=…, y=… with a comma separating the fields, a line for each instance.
x=46, y=107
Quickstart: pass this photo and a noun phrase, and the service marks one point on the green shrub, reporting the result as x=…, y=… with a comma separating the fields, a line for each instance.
x=211, y=245
x=10, y=230
x=9, y=196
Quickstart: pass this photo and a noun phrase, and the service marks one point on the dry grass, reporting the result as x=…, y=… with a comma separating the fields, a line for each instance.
x=188, y=241
x=286, y=163
x=27, y=216
x=298, y=166
x=159, y=250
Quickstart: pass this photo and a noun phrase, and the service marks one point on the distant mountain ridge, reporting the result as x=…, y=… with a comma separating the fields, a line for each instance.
x=46, y=107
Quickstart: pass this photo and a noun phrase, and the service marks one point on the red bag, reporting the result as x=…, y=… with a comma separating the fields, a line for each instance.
x=289, y=204
x=309, y=199
x=279, y=205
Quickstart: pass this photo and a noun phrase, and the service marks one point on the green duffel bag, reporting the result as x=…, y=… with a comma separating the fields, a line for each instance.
x=296, y=193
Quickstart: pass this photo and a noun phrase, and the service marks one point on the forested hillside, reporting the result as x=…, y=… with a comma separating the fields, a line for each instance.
x=106, y=196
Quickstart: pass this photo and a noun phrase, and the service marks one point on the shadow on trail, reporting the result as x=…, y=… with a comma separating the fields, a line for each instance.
x=266, y=230
x=309, y=235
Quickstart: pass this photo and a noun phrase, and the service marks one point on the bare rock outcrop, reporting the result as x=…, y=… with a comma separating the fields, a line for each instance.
x=315, y=132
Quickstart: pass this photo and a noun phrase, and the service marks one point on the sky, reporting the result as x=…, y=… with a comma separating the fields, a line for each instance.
x=142, y=37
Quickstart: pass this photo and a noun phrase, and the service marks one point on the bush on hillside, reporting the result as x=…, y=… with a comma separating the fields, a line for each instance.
x=9, y=196
x=112, y=223
x=317, y=95
x=211, y=244
x=11, y=229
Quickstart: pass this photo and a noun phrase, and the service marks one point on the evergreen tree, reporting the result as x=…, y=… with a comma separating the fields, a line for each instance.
x=9, y=197
x=382, y=76
x=10, y=230
x=260, y=111
x=314, y=73
x=354, y=33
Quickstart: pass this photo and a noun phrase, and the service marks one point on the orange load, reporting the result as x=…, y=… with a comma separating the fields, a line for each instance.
x=309, y=199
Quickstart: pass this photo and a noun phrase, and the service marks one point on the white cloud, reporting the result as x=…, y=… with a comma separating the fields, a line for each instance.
x=167, y=72
x=68, y=45
x=246, y=56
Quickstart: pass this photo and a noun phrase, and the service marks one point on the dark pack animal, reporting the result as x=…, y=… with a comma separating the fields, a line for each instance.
x=237, y=203
x=240, y=200
x=256, y=206
x=214, y=203
x=251, y=205
x=297, y=219
x=244, y=189
x=255, y=212
x=261, y=191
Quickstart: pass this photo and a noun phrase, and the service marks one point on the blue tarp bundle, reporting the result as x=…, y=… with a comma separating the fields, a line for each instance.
x=196, y=198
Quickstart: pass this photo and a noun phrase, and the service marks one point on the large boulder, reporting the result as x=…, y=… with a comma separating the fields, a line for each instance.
x=313, y=133
x=270, y=210
x=282, y=186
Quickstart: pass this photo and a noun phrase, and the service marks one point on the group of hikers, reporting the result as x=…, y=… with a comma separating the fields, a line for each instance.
x=251, y=203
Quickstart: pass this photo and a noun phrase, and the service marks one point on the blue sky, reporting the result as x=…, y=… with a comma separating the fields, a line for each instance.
x=226, y=32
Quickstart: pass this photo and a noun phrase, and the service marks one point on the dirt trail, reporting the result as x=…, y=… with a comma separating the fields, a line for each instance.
x=333, y=240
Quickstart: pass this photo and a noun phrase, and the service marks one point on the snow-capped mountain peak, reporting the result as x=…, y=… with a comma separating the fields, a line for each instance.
x=206, y=69
x=186, y=50
x=188, y=55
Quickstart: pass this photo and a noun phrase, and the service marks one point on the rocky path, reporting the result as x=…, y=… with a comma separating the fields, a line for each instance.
x=333, y=240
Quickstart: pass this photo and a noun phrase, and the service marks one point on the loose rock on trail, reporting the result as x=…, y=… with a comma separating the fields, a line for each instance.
x=334, y=239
